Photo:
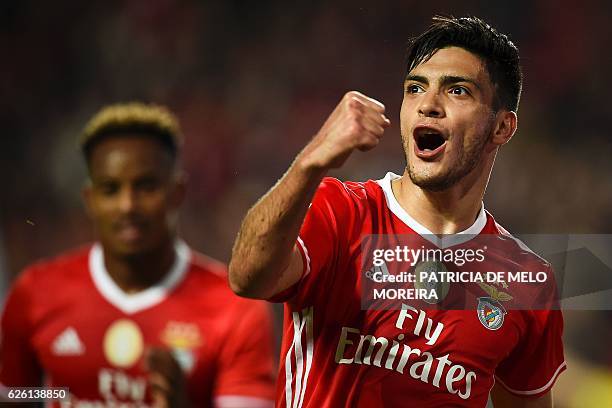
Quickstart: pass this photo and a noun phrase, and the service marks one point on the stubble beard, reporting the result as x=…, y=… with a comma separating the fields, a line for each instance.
x=470, y=156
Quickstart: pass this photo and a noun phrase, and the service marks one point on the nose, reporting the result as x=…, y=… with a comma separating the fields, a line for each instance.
x=127, y=200
x=431, y=105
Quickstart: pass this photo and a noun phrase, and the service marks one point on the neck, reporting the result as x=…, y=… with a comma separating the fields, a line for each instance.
x=139, y=272
x=444, y=212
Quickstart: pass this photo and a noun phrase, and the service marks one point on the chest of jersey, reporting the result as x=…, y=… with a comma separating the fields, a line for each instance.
x=380, y=350
x=403, y=349
x=450, y=353
x=98, y=350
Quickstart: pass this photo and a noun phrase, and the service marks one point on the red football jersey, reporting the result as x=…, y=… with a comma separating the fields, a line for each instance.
x=338, y=353
x=67, y=322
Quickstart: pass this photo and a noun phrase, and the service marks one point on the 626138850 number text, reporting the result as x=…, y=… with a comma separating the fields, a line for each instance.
x=34, y=394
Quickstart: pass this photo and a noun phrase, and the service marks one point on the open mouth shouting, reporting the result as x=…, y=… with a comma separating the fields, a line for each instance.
x=429, y=141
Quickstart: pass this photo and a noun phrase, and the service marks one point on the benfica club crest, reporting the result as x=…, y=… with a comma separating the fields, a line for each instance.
x=490, y=313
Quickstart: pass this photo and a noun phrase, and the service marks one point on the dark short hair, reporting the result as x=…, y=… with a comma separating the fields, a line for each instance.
x=133, y=118
x=499, y=54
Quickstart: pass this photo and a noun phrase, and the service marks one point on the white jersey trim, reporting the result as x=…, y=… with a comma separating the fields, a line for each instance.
x=441, y=242
x=302, y=326
x=240, y=401
x=305, y=250
x=521, y=244
x=136, y=302
x=539, y=390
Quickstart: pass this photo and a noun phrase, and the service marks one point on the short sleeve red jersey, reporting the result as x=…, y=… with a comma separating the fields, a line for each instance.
x=66, y=323
x=337, y=353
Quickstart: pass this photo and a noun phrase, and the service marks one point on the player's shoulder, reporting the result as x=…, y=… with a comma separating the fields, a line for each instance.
x=206, y=265
x=206, y=271
x=209, y=275
x=355, y=191
x=66, y=265
x=55, y=273
x=332, y=186
x=508, y=243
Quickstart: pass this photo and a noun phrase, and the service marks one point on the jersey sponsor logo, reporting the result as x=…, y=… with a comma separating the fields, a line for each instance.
x=490, y=313
x=392, y=354
x=123, y=343
x=116, y=389
x=116, y=385
x=68, y=343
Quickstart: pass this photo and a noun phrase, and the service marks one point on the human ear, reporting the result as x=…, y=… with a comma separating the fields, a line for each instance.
x=505, y=126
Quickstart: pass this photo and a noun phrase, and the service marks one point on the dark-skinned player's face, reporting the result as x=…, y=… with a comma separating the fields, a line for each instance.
x=134, y=194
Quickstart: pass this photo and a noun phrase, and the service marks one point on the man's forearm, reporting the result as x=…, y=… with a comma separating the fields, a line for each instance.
x=263, y=260
x=263, y=248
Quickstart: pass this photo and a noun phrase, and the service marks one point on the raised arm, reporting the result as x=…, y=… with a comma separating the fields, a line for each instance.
x=265, y=260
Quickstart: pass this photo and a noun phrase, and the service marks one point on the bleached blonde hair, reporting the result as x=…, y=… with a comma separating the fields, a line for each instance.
x=132, y=118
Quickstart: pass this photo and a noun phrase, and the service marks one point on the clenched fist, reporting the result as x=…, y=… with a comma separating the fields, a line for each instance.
x=357, y=122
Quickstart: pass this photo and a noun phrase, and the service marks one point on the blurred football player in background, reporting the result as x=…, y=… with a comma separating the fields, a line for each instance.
x=138, y=317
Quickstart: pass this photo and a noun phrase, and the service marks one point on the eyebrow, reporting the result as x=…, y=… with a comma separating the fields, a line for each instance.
x=444, y=80
x=103, y=180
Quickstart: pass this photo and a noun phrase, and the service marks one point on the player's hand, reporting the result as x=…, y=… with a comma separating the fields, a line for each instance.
x=357, y=122
x=166, y=379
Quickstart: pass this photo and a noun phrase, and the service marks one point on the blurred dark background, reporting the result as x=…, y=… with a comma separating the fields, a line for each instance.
x=252, y=81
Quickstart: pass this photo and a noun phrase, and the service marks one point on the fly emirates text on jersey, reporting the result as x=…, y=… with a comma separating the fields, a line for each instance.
x=392, y=355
